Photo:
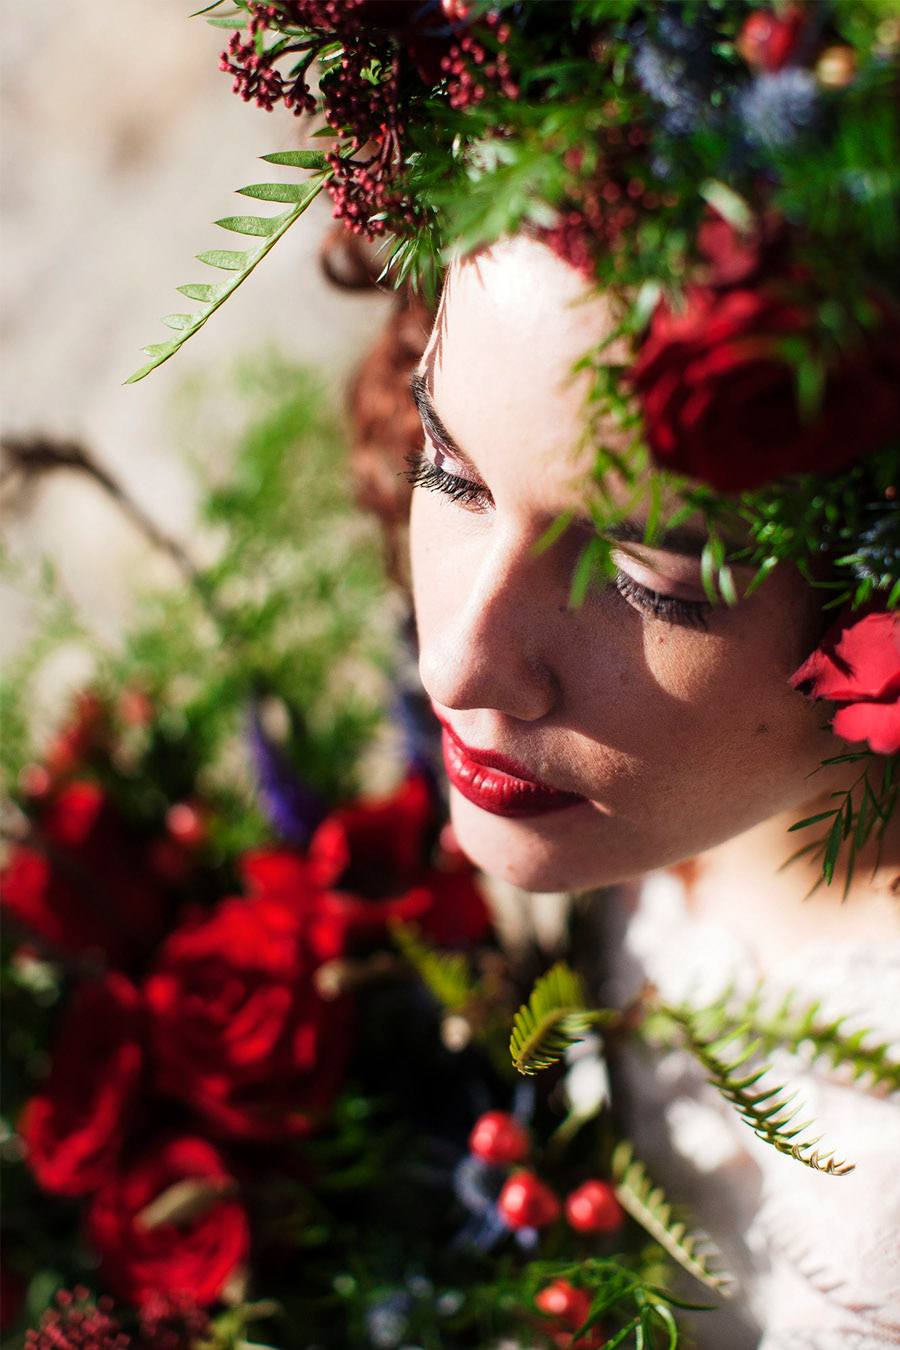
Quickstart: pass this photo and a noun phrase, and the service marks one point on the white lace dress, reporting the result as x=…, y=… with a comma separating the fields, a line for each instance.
x=817, y=1257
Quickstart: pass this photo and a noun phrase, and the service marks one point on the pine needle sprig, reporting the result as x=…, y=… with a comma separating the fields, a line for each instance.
x=555, y=1016
x=768, y=1110
x=647, y=1204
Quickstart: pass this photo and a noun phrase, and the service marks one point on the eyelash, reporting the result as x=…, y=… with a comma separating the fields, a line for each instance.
x=423, y=473
x=466, y=491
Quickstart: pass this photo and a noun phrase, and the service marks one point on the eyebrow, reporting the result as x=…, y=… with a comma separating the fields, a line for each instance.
x=435, y=427
x=678, y=540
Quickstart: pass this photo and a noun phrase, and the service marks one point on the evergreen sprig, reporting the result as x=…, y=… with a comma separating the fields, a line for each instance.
x=743, y=1082
x=802, y=1029
x=647, y=1204
x=554, y=1017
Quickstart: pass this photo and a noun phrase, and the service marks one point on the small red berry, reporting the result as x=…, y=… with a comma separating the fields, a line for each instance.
x=561, y=1299
x=525, y=1202
x=769, y=40
x=498, y=1138
x=593, y=1208
x=186, y=824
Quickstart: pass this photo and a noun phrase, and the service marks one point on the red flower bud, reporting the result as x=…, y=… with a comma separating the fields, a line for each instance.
x=525, y=1202
x=498, y=1138
x=593, y=1208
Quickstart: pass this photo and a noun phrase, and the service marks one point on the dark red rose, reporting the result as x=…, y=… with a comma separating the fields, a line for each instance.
x=73, y=1130
x=170, y=1225
x=237, y=1029
x=857, y=666
x=85, y=887
x=373, y=859
x=719, y=400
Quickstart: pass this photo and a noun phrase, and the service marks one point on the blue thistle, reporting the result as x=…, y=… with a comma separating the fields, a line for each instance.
x=291, y=807
x=876, y=557
x=388, y=1319
x=778, y=108
x=674, y=66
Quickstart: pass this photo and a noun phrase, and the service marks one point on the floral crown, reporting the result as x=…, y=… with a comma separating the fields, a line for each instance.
x=731, y=175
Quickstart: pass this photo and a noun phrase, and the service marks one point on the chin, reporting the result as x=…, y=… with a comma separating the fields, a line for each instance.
x=557, y=851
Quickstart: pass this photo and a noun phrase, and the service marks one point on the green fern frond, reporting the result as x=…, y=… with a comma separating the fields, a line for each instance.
x=240, y=263
x=768, y=1111
x=445, y=974
x=554, y=1018
x=648, y=1206
x=805, y=1031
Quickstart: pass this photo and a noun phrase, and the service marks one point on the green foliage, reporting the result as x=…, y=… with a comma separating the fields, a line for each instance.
x=239, y=263
x=554, y=1017
x=863, y=809
x=647, y=1204
x=445, y=974
x=730, y=1056
x=288, y=615
x=804, y=1031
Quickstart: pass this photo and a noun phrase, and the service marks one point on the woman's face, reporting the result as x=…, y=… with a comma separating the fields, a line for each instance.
x=651, y=725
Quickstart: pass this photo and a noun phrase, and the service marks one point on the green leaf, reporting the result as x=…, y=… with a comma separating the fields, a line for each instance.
x=230, y=260
x=554, y=1017
x=298, y=159
x=647, y=1204
x=177, y=320
x=275, y=192
x=258, y=225
x=239, y=264
x=197, y=290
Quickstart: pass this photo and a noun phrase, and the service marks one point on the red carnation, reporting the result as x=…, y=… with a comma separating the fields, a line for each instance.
x=719, y=398
x=857, y=666
x=154, y=1239
x=74, y=1129
x=237, y=1029
x=86, y=887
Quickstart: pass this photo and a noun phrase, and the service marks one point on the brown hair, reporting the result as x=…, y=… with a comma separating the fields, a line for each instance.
x=384, y=424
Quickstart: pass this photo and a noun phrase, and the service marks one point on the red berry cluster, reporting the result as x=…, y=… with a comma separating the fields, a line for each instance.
x=472, y=70
x=527, y=1202
x=605, y=206
x=255, y=77
x=569, y=1306
x=78, y=1323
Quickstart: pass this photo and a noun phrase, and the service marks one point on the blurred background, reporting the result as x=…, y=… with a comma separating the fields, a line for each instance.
x=122, y=142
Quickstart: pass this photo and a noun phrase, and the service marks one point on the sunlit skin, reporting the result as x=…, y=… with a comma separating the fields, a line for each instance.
x=679, y=727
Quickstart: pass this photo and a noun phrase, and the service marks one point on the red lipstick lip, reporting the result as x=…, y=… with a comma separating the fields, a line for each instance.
x=498, y=784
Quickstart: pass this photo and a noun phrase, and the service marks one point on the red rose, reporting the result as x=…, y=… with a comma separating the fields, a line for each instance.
x=373, y=860
x=237, y=1029
x=772, y=41
x=73, y=1130
x=857, y=666
x=155, y=1239
x=87, y=890
x=719, y=400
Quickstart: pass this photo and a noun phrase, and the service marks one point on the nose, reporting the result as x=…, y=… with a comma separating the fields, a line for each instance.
x=484, y=641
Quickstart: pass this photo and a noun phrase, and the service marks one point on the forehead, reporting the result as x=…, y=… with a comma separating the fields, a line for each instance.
x=514, y=320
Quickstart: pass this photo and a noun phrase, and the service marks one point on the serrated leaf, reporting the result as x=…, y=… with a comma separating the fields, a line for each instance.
x=298, y=159
x=262, y=226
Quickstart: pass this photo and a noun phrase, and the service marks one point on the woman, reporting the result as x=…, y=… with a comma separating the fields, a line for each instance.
x=685, y=217
x=644, y=729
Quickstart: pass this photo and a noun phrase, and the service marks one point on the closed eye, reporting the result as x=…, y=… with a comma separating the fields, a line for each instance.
x=423, y=472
